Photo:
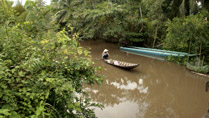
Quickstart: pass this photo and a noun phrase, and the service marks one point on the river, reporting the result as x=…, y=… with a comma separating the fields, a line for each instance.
x=155, y=89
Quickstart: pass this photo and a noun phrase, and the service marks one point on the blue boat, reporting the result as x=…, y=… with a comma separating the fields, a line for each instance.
x=154, y=53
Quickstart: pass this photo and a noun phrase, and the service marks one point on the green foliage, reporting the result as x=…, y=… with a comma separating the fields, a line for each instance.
x=42, y=72
x=201, y=69
x=190, y=32
x=42, y=78
x=19, y=7
x=6, y=12
x=177, y=8
x=98, y=22
x=178, y=60
x=106, y=20
x=155, y=22
x=130, y=21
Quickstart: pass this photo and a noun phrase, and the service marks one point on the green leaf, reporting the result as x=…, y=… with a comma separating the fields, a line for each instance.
x=5, y=112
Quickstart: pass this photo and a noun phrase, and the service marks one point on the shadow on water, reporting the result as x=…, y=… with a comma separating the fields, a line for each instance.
x=155, y=89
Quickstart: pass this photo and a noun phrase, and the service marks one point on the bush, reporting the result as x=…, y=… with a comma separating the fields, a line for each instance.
x=43, y=78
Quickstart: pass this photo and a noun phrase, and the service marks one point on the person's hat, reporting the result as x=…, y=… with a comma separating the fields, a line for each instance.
x=105, y=50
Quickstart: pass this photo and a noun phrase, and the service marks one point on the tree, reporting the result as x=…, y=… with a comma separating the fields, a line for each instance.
x=188, y=34
x=108, y=20
x=63, y=10
x=7, y=13
x=155, y=23
x=176, y=8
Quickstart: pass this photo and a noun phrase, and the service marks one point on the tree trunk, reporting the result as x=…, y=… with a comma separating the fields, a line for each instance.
x=7, y=29
x=200, y=53
x=142, y=25
x=203, y=60
x=155, y=36
x=190, y=44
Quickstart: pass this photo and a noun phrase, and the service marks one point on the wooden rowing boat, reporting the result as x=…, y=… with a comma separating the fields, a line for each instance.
x=121, y=64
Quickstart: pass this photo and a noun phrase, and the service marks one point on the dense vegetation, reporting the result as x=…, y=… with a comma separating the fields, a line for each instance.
x=42, y=70
x=43, y=67
x=180, y=25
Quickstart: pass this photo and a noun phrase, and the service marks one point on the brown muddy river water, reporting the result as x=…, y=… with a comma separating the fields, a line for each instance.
x=155, y=89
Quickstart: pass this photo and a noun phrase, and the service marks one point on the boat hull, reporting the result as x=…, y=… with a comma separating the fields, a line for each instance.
x=154, y=52
x=121, y=64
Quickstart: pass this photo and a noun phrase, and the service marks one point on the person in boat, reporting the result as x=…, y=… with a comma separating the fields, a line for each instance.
x=105, y=54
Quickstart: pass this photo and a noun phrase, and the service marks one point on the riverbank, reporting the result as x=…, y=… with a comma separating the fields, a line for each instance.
x=201, y=74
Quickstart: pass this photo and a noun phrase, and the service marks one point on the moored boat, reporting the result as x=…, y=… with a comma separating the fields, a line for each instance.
x=121, y=64
x=154, y=52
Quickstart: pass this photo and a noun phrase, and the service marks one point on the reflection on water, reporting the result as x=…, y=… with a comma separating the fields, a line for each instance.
x=128, y=85
x=155, y=89
x=125, y=109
